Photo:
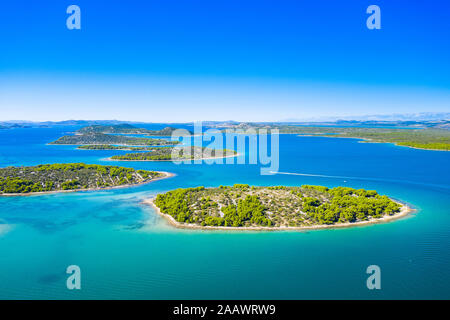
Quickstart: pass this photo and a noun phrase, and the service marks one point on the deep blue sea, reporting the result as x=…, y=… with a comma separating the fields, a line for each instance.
x=126, y=251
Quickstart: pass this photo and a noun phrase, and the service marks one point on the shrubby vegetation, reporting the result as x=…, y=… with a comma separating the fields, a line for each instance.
x=113, y=147
x=70, y=176
x=244, y=206
x=106, y=139
x=433, y=139
x=181, y=153
x=429, y=138
x=125, y=129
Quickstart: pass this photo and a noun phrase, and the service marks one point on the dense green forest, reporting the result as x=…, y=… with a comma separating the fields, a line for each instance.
x=179, y=153
x=69, y=176
x=113, y=147
x=433, y=139
x=125, y=129
x=101, y=138
x=245, y=206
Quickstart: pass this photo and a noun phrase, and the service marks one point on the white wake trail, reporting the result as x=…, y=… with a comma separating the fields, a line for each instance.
x=313, y=175
x=363, y=178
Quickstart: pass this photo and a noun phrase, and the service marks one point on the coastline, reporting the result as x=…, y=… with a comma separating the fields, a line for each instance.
x=367, y=140
x=118, y=144
x=171, y=160
x=166, y=175
x=404, y=211
x=151, y=147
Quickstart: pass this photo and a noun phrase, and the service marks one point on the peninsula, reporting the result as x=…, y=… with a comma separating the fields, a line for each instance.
x=435, y=138
x=275, y=208
x=70, y=177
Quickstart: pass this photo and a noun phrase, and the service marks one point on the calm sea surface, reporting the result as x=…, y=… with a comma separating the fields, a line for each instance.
x=126, y=251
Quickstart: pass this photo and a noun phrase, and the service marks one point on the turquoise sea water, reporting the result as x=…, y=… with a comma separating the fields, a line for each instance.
x=126, y=251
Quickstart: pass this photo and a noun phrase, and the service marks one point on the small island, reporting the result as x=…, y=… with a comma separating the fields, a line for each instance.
x=47, y=178
x=244, y=207
x=176, y=154
x=109, y=139
x=113, y=147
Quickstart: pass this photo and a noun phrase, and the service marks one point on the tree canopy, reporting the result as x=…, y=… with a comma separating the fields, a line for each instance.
x=243, y=205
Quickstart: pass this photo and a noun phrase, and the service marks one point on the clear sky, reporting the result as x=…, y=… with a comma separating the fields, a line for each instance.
x=179, y=61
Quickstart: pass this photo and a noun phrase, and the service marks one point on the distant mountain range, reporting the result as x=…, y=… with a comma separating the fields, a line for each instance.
x=22, y=123
x=420, y=120
x=436, y=124
x=421, y=116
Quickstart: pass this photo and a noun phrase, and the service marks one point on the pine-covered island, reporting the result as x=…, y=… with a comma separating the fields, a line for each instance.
x=110, y=139
x=248, y=207
x=176, y=154
x=65, y=177
x=126, y=128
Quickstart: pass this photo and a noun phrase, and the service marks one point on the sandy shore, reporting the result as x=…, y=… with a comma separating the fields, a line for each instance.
x=182, y=160
x=165, y=176
x=404, y=211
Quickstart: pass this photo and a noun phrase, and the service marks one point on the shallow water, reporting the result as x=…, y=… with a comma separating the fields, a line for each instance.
x=126, y=251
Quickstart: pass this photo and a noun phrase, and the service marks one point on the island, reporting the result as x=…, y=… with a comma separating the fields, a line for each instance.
x=109, y=139
x=245, y=207
x=15, y=126
x=176, y=154
x=113, y=147
x=47, y=178
x=125, y=129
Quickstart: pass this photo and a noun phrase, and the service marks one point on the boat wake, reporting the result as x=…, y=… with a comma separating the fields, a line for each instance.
x=312, y=175
x=445, y=187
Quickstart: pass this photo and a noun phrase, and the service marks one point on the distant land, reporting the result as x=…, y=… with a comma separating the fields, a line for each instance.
x=250, y=207
x=425, y=134
x=425, y=119
x=432, y=124
x=423, y=138
x=419, y=116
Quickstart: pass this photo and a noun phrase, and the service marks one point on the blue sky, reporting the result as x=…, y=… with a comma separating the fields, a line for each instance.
x=177, y=61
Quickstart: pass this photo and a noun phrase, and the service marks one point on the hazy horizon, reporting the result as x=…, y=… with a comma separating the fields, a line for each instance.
x=421, y=116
